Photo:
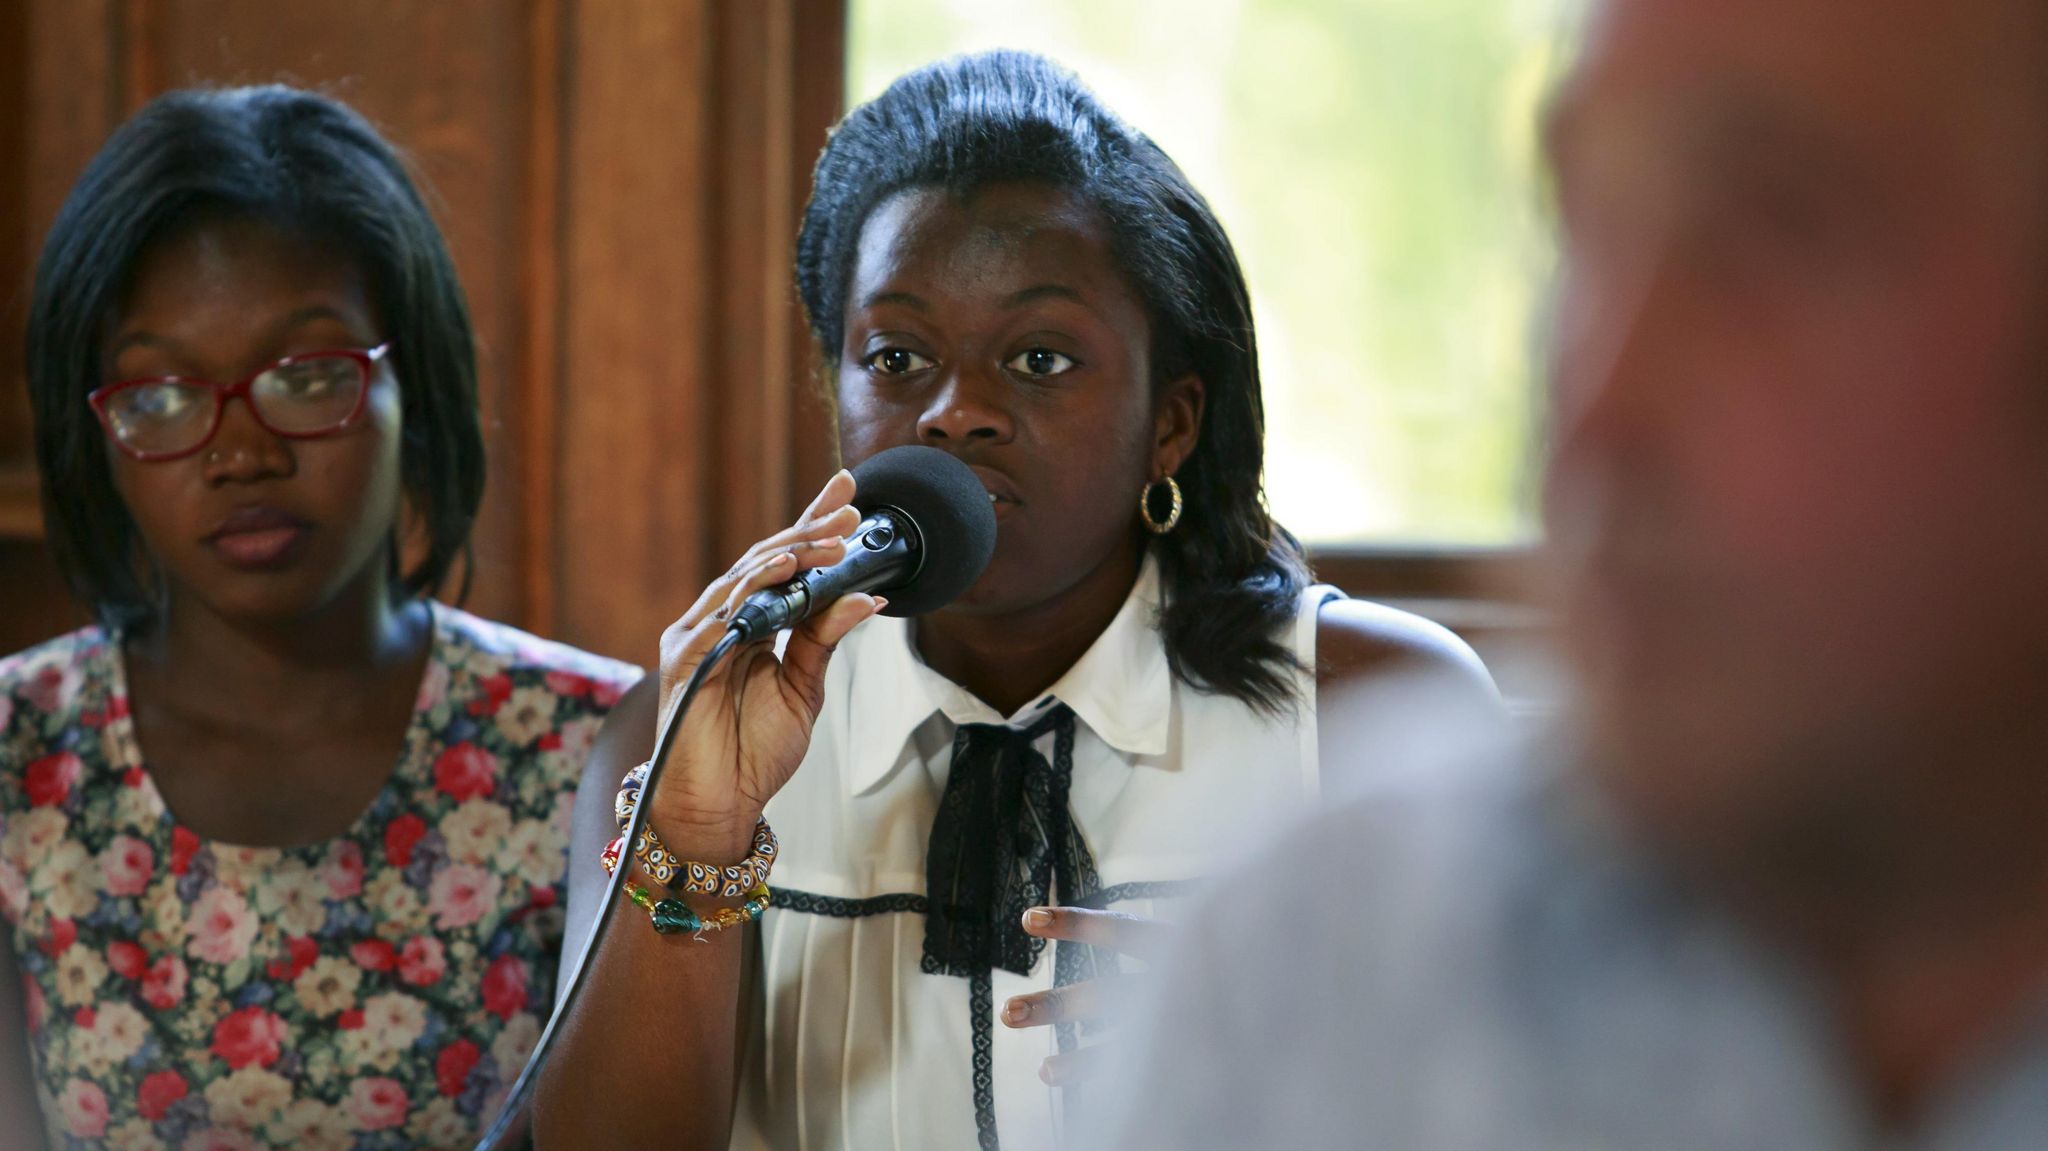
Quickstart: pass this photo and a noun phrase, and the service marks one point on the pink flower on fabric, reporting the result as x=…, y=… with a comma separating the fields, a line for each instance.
x=505, y=987
x=567, y=683
x=127, y=959
x=377, y=1104
x=466, y=771
x=63, y=933
x=163, y=985
x=48, y=781
x=462, y=894
x=496, y=690
x=158, y=1091
x=251, y=1036
x=452, y=1068
x=300, y=951
x=220, y=927
x=373, y=955
x=85, y=1109
x=401, y=835
x=423, y=961
x=343, y=870
x=184, y=845
x=126, y=866
x=52, y=687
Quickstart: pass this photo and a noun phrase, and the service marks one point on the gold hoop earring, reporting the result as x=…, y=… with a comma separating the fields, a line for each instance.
x=1145, y=507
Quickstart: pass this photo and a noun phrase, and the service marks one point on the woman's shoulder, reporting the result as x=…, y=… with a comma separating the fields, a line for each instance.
x=496, y=653
x=1358, y=639
x=50, y=679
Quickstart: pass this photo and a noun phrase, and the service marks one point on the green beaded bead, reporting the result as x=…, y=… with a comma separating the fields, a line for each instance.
x=672, y=916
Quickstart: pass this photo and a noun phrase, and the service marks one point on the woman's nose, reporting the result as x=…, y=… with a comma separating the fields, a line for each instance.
x=242, y=449
x=968, y=405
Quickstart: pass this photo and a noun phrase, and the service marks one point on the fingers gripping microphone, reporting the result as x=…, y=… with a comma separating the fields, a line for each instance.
x=926, y=534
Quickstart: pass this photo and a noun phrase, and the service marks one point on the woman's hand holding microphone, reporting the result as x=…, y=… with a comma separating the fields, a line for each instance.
x=750, y=722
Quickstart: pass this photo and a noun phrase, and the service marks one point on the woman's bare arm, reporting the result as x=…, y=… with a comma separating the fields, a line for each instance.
x=648, y=1053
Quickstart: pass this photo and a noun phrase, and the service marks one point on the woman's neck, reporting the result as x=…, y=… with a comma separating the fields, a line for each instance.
x=214, y=664
x=1007, y=659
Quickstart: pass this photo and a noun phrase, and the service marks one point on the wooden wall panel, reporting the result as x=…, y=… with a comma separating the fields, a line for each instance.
x=619, y=181
x=780, y=72
x=14, y=237
x=692, y=128
x=638, y=486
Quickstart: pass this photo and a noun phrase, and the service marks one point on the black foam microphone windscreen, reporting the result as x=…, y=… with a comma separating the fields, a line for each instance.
x=951, y=509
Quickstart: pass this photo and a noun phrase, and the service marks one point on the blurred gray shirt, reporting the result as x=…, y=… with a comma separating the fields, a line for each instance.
x=1476, y=960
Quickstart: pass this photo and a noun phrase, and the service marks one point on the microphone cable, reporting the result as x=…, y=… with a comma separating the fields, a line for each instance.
x=522, y=1087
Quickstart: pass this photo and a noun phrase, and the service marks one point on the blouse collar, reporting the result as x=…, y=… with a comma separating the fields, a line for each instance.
x=1121, y=688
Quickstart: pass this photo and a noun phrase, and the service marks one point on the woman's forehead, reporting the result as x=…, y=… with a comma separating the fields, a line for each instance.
x=990, y=238
x=223, y=278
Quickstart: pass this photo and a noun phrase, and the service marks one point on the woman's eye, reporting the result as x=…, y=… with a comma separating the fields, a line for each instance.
x=897, y=362
x=1041, y=362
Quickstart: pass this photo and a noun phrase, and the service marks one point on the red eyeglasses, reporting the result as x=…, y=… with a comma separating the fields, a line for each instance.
x=299, y=397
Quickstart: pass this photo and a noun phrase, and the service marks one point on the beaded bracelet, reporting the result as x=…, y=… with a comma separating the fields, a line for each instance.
x=673, y=916
x=728, y=881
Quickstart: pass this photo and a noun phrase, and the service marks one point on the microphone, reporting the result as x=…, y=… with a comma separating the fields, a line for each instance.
x=926, y=533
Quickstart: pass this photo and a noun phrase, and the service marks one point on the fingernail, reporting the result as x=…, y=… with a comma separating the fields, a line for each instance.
x=880, y=603
x=1048, y=1074
x=1038, y=918
x=1016, y=1012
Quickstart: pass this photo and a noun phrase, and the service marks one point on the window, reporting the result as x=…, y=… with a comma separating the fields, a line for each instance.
x=1374, y=162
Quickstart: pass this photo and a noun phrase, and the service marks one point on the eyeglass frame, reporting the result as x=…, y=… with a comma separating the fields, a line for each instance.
x=366, y=360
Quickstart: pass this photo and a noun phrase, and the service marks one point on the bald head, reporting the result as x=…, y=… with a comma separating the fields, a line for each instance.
x=1800, y=485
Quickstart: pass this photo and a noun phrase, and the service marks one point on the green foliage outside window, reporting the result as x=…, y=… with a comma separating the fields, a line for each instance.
x=1374, y=161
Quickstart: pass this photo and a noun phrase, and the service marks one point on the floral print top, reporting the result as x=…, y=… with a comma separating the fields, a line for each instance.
x=377, y=991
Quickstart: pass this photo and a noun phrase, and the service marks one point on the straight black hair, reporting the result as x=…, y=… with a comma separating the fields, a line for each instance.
x=1233, y=577
x=303, y=162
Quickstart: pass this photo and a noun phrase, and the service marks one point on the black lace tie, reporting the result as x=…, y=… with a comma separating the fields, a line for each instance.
x=1002, y=842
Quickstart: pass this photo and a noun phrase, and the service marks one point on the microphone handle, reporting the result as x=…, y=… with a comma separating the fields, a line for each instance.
x=884, y=551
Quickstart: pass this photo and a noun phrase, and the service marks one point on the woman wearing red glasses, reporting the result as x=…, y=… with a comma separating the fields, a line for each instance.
x=282, y=842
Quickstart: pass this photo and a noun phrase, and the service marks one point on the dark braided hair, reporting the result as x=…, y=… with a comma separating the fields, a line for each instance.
x=305, y=163
x=1233, y=577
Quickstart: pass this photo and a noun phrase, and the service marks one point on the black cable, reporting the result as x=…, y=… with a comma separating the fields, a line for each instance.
x=508, y=1115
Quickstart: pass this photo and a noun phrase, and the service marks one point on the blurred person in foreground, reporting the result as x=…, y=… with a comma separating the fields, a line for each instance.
x=1786, y=883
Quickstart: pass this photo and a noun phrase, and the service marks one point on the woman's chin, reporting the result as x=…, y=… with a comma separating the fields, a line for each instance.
x=269, y=599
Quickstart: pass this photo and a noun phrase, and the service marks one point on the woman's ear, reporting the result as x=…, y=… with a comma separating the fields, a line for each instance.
x=1177, y=424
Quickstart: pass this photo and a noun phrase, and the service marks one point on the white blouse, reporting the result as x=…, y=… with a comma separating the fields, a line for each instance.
x=852, y=1044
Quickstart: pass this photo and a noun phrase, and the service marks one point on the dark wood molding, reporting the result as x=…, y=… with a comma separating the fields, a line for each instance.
x=15, y=243
x=1505, y=573
x=542, y=366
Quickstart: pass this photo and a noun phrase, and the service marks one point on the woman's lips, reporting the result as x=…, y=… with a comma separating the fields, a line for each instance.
x=1002, y=494
x=257, y=538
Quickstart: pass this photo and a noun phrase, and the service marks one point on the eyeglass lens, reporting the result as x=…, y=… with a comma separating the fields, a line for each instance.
x=303, y=397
